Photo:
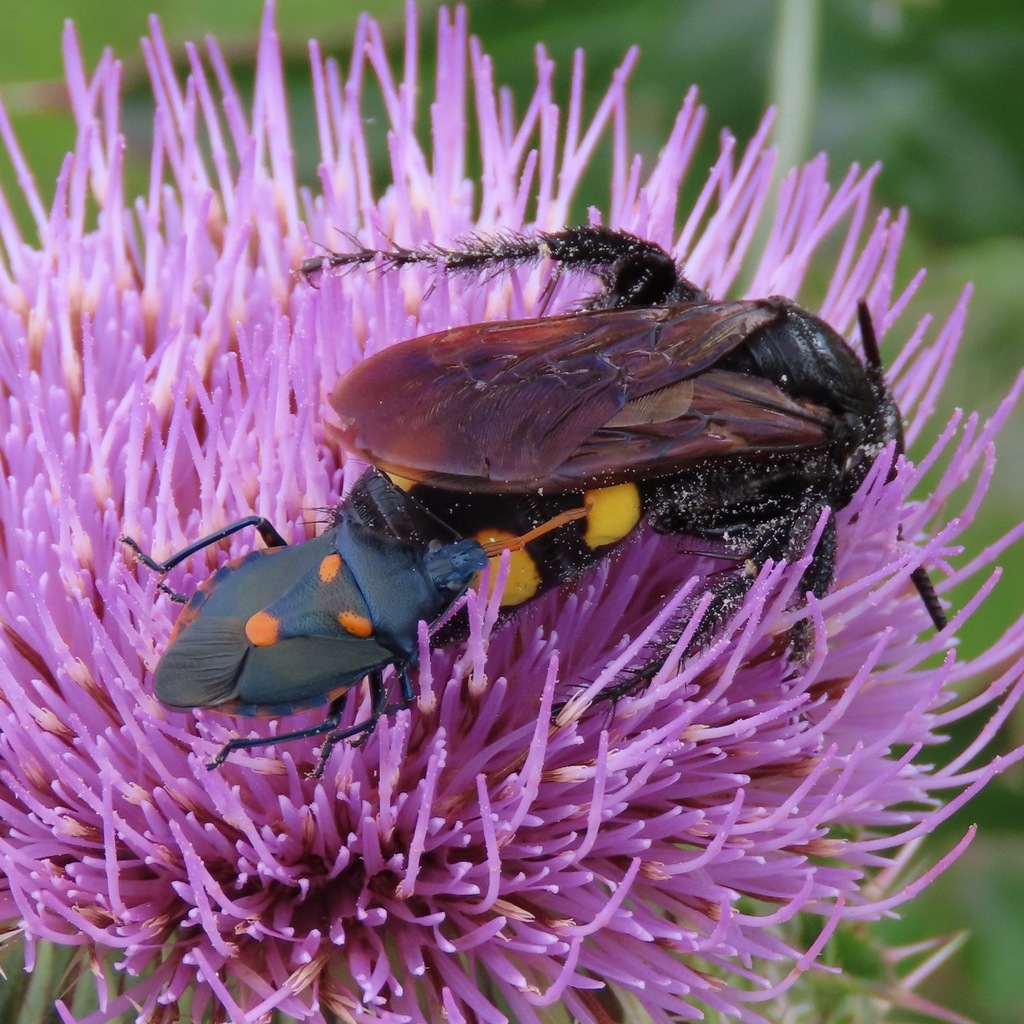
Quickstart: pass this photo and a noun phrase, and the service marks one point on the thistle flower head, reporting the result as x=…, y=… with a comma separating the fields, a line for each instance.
x=164, y=373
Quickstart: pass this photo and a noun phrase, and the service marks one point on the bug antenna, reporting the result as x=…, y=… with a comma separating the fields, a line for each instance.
x=518, y=543
x=436, y=519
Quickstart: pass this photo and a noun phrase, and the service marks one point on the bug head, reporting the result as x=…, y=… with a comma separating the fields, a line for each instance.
x=453, y=566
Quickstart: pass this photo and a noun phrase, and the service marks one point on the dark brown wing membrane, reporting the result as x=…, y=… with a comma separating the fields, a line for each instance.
x=729, y=414
x=567, y=401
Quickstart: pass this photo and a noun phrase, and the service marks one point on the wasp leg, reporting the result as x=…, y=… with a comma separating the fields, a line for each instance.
x=635, y=272
x=926, y=588
x=379, y=506
x=782, y=539
x=919, y=577
x=816, y=580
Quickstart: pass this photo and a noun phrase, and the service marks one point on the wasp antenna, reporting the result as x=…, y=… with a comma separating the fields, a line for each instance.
x=873, y=363
x=926, y=589
x=868, y=337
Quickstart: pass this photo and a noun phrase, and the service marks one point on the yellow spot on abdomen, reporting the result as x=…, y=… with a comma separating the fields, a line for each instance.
x=262, y=629
x=523, y=580
x=403, y=483
x=356, y=624
x=611, y=513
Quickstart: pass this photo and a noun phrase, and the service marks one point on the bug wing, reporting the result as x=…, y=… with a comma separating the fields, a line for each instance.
x=556, y=402
x=201, y=669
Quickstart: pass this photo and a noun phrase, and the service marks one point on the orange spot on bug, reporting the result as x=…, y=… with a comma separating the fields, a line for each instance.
x=357, y=625
x=262, y=629
x=330, y=567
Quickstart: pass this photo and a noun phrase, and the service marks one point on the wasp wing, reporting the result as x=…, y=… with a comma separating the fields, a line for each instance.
x=582, y=399
x=727, y=414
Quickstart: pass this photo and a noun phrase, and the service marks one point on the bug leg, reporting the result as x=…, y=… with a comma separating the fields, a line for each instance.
x=263, y=526
x=362, y=730
x=331, y=724
x=405, y=689
x=328, y=725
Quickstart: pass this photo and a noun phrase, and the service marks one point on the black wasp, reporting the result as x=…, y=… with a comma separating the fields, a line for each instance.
x=742, y=422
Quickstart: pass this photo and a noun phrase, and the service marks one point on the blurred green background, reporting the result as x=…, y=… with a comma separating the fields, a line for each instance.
x=932, y=89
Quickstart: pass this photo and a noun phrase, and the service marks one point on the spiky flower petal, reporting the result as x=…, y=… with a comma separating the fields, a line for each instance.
x=164, y=372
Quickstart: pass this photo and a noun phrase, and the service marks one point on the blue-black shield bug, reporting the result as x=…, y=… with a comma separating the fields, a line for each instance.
x=291, y=627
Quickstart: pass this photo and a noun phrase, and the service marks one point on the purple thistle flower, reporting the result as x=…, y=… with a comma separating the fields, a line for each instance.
x=165, y=373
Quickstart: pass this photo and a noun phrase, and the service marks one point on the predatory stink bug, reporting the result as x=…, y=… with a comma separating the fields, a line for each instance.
x=291, y=627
